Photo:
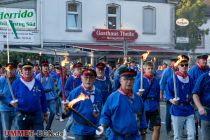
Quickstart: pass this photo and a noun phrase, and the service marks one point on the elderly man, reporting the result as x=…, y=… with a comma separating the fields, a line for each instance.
x=123, y=113
x=181, y=109
x=31, y=104
x=201, y=97
x=90, y=107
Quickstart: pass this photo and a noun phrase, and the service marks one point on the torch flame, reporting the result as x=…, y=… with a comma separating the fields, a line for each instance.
x=180, y=59
x=81, y=97
x=145, y=55
x=64, y=62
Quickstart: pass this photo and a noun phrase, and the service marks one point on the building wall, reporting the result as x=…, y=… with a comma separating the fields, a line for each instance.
x=94, y=16
x=205, y=48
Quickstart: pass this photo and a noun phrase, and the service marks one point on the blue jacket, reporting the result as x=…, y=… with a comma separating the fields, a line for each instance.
x=4, y=94
x=202, y=89
x=48, y=85
x=151, y=102
x=184, y=92
x=105, y=86
x=167, y=73
x=29, y=100
x=196, y=72
x=86, y=108
x=71, y=84
x=120, y=114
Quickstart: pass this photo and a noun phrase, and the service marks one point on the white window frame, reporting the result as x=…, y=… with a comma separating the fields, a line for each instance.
x=153, y=26
x=79, y=18
x=117, y=15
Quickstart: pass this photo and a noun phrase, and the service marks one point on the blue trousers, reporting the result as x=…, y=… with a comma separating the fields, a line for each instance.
x=7, y=118
x=51, y=106
x=168, y=117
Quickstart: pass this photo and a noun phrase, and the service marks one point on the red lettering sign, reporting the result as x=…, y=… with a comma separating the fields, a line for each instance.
x=114, y=35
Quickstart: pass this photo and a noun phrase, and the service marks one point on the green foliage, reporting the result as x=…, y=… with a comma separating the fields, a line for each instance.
x=18, y=57
x=193, y=10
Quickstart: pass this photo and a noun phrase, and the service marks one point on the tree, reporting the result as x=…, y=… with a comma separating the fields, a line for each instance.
x=193, y=10
x=17, y=57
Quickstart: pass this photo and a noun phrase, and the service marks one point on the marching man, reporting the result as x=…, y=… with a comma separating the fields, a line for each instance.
x=151, y=98
x=29, y=102
x=179, y=93
x=123, y=113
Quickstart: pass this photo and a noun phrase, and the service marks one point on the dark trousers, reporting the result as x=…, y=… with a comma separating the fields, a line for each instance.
x=29, y=122
x=85, y=137
x=168, y=117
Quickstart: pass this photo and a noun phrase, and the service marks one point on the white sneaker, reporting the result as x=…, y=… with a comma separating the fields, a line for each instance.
x=61, y=120
x=65, y=134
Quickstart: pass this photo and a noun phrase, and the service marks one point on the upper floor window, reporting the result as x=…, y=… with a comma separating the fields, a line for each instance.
x=149, y=20
x=113, y=16
x=74, y=15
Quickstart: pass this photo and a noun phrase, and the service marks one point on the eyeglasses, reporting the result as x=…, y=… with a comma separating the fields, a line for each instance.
x=182, y=65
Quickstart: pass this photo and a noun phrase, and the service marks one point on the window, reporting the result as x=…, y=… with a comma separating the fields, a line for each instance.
x=113, y=16
x=74, y=15
x=149, y=20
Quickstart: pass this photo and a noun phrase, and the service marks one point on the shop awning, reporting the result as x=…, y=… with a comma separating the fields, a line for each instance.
x=139, y=48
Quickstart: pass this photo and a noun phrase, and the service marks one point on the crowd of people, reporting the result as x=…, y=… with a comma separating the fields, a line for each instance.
x=123, y=103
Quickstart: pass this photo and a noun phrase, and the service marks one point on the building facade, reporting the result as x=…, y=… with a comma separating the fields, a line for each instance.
x=94, y=28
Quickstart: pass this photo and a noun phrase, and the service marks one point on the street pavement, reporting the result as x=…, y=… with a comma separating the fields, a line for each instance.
x=58, y=127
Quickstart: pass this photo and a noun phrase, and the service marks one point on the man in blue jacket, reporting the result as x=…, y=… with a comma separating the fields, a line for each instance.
x=196, y=71
x=49, y=88
x=180, y=97
x=31, y=104
x=151, y=98
x=72, y=82
x=89, y=108
x=167, y=73
x=201, y=97
x=102, y=82
x=123, y=114
x=7, y=112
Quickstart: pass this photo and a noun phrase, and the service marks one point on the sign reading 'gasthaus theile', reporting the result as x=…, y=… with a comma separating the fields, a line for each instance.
x=22, y=18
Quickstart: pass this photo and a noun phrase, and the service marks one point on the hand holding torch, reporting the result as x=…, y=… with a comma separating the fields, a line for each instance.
x=143, y=57
x=14, y=101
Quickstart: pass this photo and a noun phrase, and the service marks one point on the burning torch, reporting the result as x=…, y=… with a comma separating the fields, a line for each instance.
x=62, y=80
x=142, y=58
x=180, y=59
x=70, y=105
x=14, y=100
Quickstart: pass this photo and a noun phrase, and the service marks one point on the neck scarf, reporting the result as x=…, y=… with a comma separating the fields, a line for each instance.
x=148, y=77
x=27, y=80
x=129, y=94
x=183, y=75
x=201, y=67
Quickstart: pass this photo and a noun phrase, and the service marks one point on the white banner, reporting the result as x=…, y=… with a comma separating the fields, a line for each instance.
x=23, y=37
x=22, y=18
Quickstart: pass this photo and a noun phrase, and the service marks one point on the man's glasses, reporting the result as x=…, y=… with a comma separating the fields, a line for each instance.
x=182, y=65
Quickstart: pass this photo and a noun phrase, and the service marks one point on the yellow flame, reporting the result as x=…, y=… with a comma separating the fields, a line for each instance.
x=180, y=59
x=145, y=55
x=154, y=59
x=64, y=62
x=81, y=97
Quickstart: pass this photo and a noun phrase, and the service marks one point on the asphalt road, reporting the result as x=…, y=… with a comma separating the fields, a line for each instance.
x=58, y=127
